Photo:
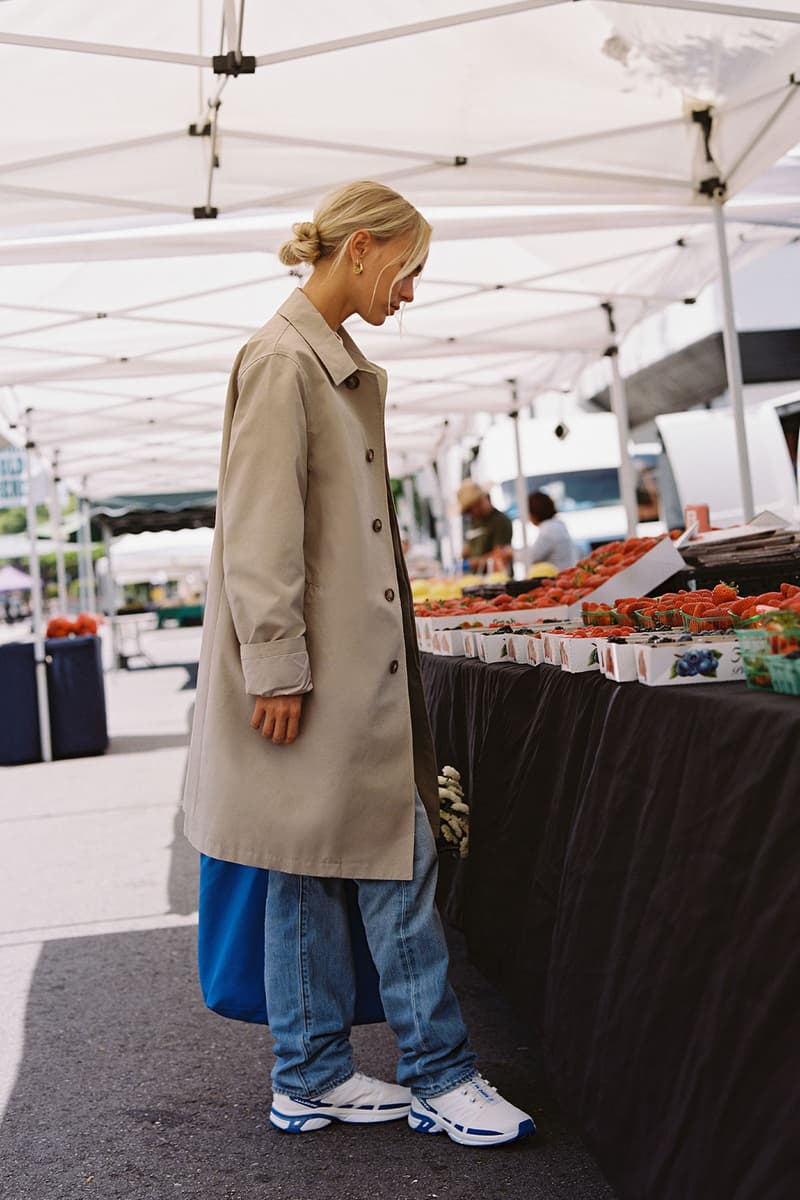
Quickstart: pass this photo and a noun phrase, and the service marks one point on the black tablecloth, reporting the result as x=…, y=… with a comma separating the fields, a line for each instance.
x=634, y=886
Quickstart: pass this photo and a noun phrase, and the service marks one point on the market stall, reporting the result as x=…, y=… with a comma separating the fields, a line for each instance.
x=631, y=886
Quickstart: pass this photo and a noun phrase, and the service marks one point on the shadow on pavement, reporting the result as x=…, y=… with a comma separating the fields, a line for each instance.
x=145, y=742
x=129, y=1088
x=190, y=668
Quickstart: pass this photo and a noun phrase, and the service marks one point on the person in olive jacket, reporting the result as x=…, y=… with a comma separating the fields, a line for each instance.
x=311, y=752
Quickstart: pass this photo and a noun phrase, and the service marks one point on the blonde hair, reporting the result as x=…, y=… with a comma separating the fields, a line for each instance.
x=370, y=206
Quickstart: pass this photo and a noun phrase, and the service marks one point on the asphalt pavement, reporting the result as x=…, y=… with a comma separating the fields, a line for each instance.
x=115, y=1080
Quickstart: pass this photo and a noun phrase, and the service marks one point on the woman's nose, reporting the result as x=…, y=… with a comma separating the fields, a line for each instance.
x=407, y=290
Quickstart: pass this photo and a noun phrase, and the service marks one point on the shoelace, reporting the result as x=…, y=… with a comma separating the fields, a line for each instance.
x=468, y=1090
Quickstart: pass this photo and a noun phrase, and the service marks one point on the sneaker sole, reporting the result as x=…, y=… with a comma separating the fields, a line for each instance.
x=311, y=1121
x=428, y=1123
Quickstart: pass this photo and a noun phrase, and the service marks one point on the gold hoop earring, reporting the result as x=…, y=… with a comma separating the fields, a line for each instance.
x=359, y=267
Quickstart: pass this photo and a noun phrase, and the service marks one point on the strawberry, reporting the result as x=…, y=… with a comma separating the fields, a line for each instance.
x=724, y=592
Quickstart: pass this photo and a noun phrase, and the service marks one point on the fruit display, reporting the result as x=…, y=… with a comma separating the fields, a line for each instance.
x=700, y=611
x=61, y=627
x=770, y=647
x=614, y=560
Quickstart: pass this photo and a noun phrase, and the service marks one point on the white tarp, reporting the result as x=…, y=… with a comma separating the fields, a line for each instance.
x=459, y=102
x=464, y=104
x=124, y=363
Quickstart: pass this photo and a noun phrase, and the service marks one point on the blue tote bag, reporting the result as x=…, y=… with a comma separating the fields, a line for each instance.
x=230, y=944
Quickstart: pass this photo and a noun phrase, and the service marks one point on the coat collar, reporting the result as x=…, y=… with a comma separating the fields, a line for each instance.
x=340, y=356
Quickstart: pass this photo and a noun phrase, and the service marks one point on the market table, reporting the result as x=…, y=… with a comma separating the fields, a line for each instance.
x=633, y=887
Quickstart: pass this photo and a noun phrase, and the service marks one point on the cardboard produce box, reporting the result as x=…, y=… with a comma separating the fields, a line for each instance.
x=704, y=660
x=492, y=647
x=449, y=642
x=618, y=660
x=651, y=570
x=426, y=626
x=580, y=654
x=517, y=644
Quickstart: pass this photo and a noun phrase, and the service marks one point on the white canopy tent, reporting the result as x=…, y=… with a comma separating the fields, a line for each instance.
x=118, y=112
x=676, y=104
x=124, y=362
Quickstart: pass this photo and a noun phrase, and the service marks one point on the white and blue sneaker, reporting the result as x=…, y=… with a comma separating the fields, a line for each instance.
x=360, y=1100
x=473, y=1114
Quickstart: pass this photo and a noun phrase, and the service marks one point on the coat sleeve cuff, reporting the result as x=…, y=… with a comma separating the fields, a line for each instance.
x=279, y=668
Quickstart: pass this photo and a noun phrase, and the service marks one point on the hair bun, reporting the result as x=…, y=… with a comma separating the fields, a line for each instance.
x=305, y=246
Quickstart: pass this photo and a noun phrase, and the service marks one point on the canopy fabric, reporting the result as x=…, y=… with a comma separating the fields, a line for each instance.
x=124, y=363
x=145, y=556
x=123, y=358
x=152, y=514
x=18, y=545
x=538, y=101
x=696, y=374
x=13, y=580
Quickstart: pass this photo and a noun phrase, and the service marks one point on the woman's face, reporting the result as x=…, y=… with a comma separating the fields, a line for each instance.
x=376, y=294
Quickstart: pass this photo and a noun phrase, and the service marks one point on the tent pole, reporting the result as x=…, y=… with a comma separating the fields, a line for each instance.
x=520, y=482
x=733, y=361
x=619, y=407
x=88, y=597
x=627, y=482
x=55, y=521
x=111, y=607
x=39, y=648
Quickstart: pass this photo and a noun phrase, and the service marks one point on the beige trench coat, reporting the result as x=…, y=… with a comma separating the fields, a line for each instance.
x=308, y=592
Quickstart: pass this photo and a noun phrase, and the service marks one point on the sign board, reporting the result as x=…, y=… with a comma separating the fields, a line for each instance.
x=13, y=490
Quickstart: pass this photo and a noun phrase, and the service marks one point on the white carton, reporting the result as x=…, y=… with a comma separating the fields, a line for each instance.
x=580, y=654
x=426, y=626
x=471, y=640
x=700, y=661
x=535, y=650
x=517, y=645
x=492, y=647
x=449, y=642
x=618, y=660
x=651, y=570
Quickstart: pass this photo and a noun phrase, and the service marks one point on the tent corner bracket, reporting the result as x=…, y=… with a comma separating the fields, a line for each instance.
x=233, y=64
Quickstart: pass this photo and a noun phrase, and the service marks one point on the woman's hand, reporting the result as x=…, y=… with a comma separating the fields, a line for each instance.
x=278, y=718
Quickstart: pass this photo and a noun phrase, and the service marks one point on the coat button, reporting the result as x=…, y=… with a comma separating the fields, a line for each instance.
x=394, y=666
x=377, y=524
x=370, y=455
x=352, y=382
x=389, y=593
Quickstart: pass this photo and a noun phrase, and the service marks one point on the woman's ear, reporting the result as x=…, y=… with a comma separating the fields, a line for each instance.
x=359, y=244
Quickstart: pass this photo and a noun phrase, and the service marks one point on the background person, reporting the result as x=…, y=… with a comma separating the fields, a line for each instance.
x=311, y=753
x=487, y=538
x=553, y=543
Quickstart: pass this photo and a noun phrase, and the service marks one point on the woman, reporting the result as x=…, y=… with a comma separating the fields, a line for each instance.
x=311, y=753
x=553, y=544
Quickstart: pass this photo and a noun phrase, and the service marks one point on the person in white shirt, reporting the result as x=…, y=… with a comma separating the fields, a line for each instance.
x=553, y=544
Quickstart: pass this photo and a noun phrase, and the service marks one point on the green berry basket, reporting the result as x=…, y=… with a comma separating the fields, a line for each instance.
x=705, y=624
x=769, y=635
x=754, y=646
x=601, y=616
x=784, y=673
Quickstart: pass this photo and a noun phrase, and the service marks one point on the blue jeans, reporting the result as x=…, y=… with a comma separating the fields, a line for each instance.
x=310, y=981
